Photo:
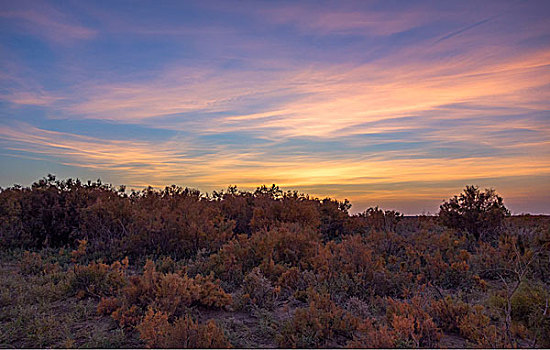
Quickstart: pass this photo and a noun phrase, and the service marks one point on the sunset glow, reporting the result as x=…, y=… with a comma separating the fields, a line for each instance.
x=397, y=104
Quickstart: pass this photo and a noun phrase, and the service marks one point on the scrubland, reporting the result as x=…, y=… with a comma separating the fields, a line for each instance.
x=89, y=265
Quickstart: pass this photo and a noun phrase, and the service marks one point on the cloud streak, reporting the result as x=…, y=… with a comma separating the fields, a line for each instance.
x=174, y=159
x=44, y=20
x=318, y=101
x=462, y=30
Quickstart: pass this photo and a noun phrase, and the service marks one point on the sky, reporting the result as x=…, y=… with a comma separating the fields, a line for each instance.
x=399, y=104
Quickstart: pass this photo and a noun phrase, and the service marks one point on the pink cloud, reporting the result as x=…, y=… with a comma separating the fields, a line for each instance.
x=323, y=21
x=30, y=98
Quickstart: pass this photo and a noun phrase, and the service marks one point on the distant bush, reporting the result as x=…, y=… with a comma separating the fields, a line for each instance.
x=334, y=216
x=381, y=220
x=174, y=221
x=481, y=214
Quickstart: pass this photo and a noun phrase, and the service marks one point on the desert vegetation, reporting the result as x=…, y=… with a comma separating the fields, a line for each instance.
x=84, y=264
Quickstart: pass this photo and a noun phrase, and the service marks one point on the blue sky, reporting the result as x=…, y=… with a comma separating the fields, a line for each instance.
x=392, y=103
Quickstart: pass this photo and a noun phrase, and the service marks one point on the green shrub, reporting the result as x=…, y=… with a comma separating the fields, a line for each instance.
x=530, y=306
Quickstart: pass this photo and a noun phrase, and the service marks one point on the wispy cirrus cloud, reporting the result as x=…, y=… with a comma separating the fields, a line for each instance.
x=33, y=98
x=321, y=101
x=324, y=21
x=176, y=157
x=44, y=20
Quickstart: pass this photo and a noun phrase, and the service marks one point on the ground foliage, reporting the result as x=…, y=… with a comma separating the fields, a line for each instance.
x=178, y=268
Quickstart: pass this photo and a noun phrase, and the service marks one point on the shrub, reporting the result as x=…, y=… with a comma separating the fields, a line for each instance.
x=358, y=308
x=481, y=214
x=127, y=316
x=477, y=328
x=166, y=265
x=107, y=305
x=48, y=213
x=176, y=222
x=170, y=293
x=447, y=313
x=457, y=276
x=80, y=252
x=97, y=279
x=334, y=217
x=273, y=251
x=158, y=332
x=529, y=298
x=233, y=261
x=381, y=220
x=413, y=326
x=273, y=207
x=210, y=293
x=530, y=306
x=258, y=290
x=289, y=281
x=31, y=264
x=372, y=335
x=318, y=325
x=352, y=268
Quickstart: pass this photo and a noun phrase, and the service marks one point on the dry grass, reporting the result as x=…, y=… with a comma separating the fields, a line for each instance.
x=36, y=311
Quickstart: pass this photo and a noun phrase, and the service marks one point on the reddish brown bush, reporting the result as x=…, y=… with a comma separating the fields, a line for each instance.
x=170, y=293
x=97, y=279
x=158, y=332
x=372, y=335
x=448, y=313
x=477, y=328
x=318, y=325
x=413, y=326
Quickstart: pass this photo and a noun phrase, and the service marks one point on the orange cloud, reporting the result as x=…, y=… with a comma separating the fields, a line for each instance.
x=173, y=160
x=321, y=101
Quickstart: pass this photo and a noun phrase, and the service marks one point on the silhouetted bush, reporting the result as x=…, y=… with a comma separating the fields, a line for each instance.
x=381, y=220
x=481, y=214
